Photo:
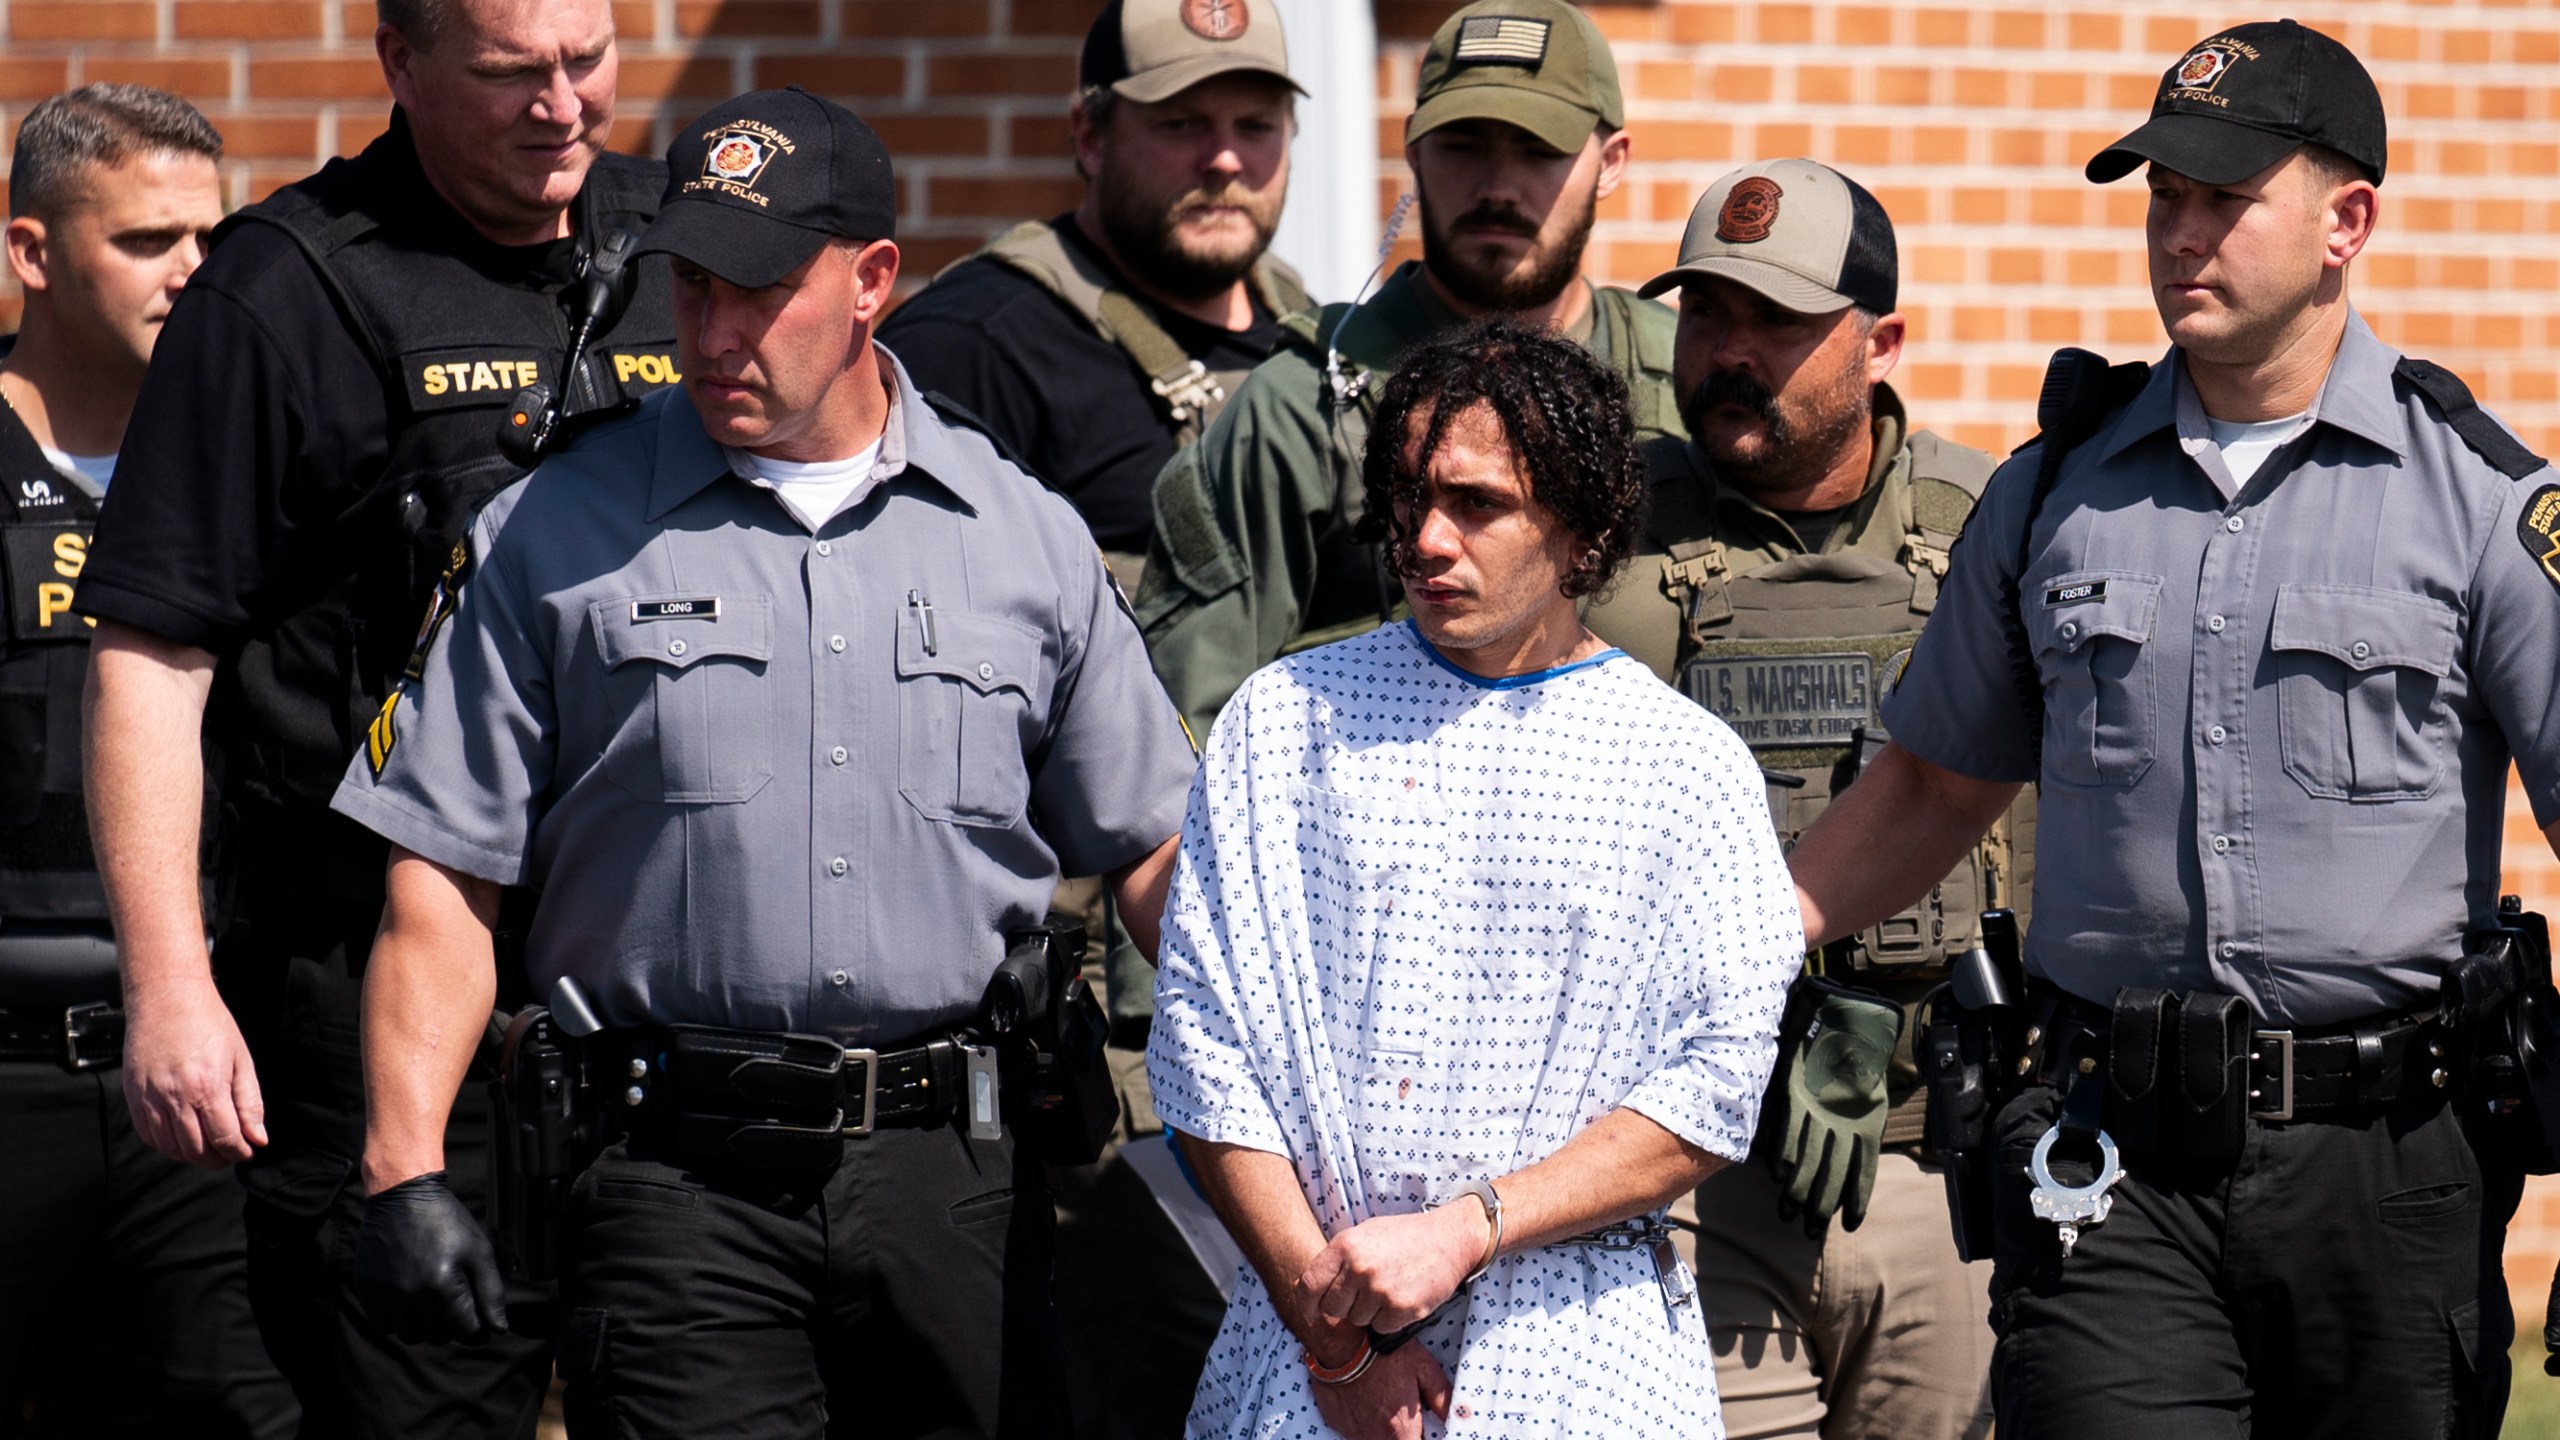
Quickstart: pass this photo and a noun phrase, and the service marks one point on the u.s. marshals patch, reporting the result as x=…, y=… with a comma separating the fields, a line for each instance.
x=2539, y=528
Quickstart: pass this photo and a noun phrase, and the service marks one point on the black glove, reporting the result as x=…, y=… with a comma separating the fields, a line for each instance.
x=424, y=1268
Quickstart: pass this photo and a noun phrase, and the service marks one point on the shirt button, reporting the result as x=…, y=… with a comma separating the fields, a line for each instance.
x=838, y=755
x=836, y=643
x=2215, y=624
x=2070, y=628
x=825, y=549
x=839, y=979
x=2221, y=844
x=2233, y=524
x=2230, y=951
x=2360, y=650
x=675, y=647
x=2217, y=734
x=986, y=671
x=837, y=866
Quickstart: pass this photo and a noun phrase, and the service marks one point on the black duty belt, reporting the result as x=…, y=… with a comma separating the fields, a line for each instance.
x=75, y=1037
x=776, y=1100
x=2298, y=1073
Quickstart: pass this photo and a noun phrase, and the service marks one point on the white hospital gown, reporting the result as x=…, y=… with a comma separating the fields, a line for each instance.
x=1424, y=929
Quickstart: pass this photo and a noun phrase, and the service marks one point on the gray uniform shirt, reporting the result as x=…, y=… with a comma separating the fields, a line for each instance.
x=2277, y=718
x=767, y=778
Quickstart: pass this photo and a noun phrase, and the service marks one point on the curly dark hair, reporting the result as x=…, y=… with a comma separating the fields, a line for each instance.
x=1563, y=413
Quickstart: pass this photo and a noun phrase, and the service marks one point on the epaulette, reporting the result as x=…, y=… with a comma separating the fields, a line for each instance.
x=2487, y=438
x=967, y=419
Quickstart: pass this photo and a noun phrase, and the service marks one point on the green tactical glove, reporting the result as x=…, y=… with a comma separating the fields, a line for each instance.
x=1825, y=1122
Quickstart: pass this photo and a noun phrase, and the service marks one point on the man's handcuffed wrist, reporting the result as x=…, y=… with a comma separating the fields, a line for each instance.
x=1344, y=1373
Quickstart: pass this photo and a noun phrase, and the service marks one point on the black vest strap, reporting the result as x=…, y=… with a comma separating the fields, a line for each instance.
x=2487, y=438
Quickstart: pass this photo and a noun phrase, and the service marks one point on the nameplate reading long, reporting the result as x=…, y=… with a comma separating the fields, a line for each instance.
x=707, y=608
x=1785, y=699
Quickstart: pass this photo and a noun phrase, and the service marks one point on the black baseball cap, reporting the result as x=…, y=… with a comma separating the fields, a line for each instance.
x=2246, y=98
x=759, y=183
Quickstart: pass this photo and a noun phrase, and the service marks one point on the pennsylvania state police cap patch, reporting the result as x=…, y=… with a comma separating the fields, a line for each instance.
x=2538, y=526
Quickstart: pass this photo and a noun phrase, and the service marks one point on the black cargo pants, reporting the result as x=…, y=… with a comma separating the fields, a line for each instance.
x=291, y=979
x=124, y=1305
x=903, y=1295
x=2342, y=1279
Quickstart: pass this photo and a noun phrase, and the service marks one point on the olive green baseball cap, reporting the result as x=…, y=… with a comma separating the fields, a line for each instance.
x=1152, y=50
x=1538, y=64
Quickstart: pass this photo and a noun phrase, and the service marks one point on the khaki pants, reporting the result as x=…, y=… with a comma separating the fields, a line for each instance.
x=1878, y=1333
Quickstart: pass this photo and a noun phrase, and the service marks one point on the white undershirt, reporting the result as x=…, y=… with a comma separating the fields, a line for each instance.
x=2246, y=444
x=815, y=493
x=98, y=468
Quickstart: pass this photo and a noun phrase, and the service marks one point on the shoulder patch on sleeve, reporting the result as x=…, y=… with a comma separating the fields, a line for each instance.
x=2538, y=527
x=2487, y=438
x=382, y=735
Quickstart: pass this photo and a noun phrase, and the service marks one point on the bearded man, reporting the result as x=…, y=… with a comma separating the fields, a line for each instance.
x=1097, y=343
x=1518, y=133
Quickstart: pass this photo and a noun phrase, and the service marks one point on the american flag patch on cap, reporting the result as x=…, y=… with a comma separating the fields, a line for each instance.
x=1493, y=40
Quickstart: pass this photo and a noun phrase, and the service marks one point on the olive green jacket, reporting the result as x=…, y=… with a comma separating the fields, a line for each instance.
x=1252, y=556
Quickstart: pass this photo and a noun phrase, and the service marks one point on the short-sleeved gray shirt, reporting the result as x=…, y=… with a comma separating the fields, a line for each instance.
x=2277, y=718
x=769, y=778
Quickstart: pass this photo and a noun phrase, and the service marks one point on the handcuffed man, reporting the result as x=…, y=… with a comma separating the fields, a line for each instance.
x=1475, y=956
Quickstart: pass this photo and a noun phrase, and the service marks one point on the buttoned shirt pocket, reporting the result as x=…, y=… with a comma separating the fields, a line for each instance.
x=2360, y=689
x=685, y=678
x=964, y=715
x=2092, y=636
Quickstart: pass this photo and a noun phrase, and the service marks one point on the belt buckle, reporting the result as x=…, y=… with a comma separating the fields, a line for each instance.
x=75, y=1028
x=870, y=1087
x=2282, y=1042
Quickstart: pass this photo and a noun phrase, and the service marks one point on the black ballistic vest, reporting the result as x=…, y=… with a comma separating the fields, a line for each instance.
x=47, y=871
x=452, y=344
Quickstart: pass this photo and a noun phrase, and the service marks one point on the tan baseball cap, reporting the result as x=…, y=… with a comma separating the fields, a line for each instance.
x=1538, y=64
x=1801, y=233
x=1152, y=50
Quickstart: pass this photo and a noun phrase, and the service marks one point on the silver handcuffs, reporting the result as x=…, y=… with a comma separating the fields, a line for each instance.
x=2072, y=1208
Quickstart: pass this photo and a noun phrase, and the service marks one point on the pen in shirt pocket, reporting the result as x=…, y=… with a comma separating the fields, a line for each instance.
x=924, y=618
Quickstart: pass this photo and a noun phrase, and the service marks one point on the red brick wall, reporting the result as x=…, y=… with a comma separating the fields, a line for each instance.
x=1969, y=121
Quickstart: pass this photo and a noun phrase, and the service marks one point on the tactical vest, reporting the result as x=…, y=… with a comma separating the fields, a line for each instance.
x=1190, y=392
x=451, y=346
x=1798, y=653
x=47, y=871
x=1353, y=591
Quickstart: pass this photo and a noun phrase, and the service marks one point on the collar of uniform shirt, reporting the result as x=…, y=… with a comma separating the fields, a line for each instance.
x=2357, y=397
x=915, y=439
